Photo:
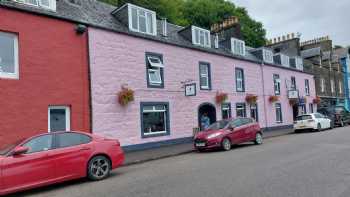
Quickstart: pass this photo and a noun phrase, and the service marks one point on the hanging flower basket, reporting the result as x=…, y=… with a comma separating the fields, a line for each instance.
x=125, y=96
x=251, y=98
x=317, y=100
x=273, y=99
x=293, y=102
x=220, y=97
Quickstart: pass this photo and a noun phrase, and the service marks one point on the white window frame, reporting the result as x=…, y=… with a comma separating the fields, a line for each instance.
x=322, y=84
x=240, y=86
x=204, y=75
x=159, y=64
x=39, y=3
x=241, y=43
x=196, y=39
x=279, y=116
x=139, y=9
x=299, y=63
x=307, y=87
x=340, y=87
x=14, y=75
x=277, y=84
x=68, y=115
x=285, y=59
x=268, y=56
x=157, y=71
x=332, y=86
x=154, y=110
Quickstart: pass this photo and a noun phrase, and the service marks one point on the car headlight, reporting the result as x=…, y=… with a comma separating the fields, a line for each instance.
x=214, y=135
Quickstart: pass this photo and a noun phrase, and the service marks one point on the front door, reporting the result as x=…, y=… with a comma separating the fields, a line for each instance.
x=31, y=168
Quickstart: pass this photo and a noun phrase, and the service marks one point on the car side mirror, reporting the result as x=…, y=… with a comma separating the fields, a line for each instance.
x=20, y=150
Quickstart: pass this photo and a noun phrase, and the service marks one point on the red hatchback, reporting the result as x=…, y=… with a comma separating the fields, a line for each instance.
x=56, y=157
x=224, y=133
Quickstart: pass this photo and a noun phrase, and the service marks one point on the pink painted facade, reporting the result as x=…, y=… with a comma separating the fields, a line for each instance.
x=117, y=59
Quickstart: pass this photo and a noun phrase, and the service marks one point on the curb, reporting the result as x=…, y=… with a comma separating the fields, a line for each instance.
x=185, y=152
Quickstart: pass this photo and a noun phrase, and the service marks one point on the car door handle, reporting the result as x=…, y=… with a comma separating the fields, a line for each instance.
x=85, y=148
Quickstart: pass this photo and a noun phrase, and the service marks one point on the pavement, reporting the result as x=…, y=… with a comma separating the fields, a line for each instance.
x=174, y=150
x=312, y=164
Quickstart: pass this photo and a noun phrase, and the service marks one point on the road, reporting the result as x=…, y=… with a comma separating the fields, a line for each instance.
x=296, y=165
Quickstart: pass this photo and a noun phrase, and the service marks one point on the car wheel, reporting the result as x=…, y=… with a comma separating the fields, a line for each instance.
x=99, y=168
x=341, y=123
x=319, y=128
x=258, y=139
x=226, y=144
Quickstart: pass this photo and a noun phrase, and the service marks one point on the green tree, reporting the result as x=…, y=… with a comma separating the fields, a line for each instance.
x=203, y=13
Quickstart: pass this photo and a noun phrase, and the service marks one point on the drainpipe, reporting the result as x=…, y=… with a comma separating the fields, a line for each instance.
x=263, y=84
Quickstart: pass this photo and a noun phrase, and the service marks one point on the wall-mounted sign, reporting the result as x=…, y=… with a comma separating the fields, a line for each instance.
x=293, y=94
x=190, y=89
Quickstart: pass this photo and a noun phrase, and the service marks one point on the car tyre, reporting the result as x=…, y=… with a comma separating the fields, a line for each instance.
x=226, y=144
x=319, y=127
x=341, y=123
x=99, y=168
x=258, y=139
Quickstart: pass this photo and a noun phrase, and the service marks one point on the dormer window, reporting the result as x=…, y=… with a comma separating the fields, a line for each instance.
x=238, y=46
x=142, y=20
x=201, y=37
x=47, y=4
x=282, y=59
x=268, y=56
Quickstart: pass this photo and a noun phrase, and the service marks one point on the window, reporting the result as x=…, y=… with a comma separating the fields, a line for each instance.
x=332, y=86
x=307, y=87
x=48, y=4
x=155, y=70
x=268, y=56
x=241, y=110
x=277, y=84
x=340, y=87
x=322, y=84
x=226, y=110
x=284, y=60
x=293, y=85
x=155, y=119
x=204, y=76
x=59, y=118
x=311, y=108
x=142, y=20
x=302, y=109
x=71, y=139
x=240, y=80
x=238, y=46
x=299, y=63
x=201, y=37
x=38, y=144
x=254, y=112
x=278, y=108
x=8, y=55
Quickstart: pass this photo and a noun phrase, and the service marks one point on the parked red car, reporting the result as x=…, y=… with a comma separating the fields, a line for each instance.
x=56, y=157
x=223, y=134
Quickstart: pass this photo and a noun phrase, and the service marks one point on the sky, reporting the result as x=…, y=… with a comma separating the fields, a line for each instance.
x=312, y=18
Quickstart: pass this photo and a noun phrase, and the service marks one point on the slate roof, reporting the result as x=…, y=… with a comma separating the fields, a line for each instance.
x=98, y=14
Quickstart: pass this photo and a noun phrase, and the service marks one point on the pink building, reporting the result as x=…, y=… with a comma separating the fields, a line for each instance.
x=158, y=61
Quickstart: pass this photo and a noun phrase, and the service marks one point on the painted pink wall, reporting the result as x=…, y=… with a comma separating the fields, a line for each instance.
x=118, y=59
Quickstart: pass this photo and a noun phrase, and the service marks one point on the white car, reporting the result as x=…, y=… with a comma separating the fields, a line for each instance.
x=314, y=121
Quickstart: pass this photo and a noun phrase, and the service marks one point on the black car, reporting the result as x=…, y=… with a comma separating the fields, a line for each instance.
x=339, y=115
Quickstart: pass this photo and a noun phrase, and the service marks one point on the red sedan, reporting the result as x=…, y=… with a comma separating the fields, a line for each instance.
x=224, y=133
x=56, y=157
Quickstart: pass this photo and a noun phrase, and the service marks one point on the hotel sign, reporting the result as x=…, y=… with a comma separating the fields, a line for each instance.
x=293, y=94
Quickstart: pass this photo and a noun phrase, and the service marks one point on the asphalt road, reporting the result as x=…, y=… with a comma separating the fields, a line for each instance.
x=303, y=165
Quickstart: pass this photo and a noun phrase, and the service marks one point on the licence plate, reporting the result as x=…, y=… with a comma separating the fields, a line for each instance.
x=200, y=144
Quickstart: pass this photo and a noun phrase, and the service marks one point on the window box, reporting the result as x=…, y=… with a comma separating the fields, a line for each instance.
x=9, y=66
x=154, y=119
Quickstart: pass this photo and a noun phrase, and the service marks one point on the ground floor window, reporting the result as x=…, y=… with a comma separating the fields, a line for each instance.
x=155, y=119
x=279, y=118
x=254, y=112
x=226, y=111
x=241, y=110
x=58, y=118
x=311, y=108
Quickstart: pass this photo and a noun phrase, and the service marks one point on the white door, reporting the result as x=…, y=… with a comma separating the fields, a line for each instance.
x=58, y=118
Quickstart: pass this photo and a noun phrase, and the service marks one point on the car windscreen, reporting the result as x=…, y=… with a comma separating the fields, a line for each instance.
x=218, y=125
x=7, y=148
x=304, y=117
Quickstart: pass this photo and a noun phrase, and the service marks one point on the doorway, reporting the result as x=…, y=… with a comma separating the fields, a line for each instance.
x=210, y=110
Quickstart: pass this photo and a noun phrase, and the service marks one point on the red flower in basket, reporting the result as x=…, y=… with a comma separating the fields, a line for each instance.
x=317, y=100
x=221, y=97
x=251, y=98
x=125, y=96
x=273, y=99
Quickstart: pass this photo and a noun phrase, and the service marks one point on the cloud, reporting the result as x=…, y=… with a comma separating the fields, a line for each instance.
x=309, y=17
